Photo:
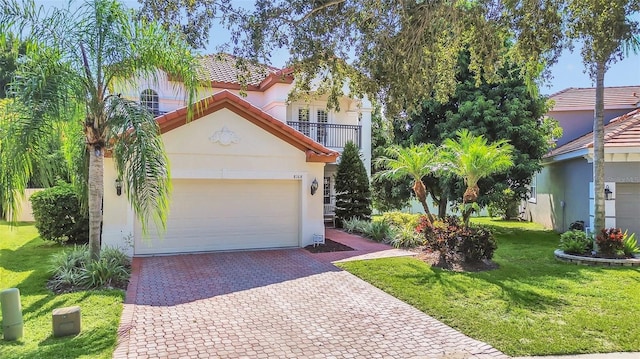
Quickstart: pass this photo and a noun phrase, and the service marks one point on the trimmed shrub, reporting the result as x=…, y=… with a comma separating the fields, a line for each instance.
x=58, y=215
x=353, y=194
x=505, y=206
x=459, y=243
x=575, y=242
x=401, y=219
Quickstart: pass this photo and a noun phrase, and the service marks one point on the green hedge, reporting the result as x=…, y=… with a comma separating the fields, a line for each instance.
x=58, y=215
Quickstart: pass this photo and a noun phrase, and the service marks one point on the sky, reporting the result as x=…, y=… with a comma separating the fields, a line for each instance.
x=567, y=72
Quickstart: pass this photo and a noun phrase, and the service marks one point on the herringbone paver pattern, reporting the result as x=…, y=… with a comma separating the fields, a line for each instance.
x=274, y=304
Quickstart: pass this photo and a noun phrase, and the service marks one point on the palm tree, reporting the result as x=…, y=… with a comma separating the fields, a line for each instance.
x=415, y=162
x=75, y=57
x=472, y=158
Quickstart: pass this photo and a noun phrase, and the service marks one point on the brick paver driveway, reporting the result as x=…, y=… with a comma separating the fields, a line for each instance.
x=274, y=304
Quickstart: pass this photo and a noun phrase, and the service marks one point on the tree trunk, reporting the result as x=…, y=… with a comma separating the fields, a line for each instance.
x=96, y=192
x=421, y=194
x=442, y=204
x=598, y=150
x=470, y=196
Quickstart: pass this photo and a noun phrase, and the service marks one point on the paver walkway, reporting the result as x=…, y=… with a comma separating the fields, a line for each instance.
x=277, y=304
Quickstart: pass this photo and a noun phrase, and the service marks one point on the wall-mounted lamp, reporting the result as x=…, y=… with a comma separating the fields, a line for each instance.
x=607, y=193
x=118, y=186
x=314, y=186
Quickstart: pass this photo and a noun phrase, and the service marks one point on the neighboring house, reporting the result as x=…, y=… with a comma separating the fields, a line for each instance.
x=562, y=192
x=242, y=169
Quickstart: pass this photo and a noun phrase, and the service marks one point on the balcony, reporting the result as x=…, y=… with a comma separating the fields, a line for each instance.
x=330, y=135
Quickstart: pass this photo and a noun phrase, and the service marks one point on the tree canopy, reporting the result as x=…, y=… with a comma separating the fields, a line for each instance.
x=78, y=54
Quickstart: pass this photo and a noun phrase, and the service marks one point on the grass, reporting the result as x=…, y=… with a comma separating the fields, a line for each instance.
x=531, y=305
x=24, y=265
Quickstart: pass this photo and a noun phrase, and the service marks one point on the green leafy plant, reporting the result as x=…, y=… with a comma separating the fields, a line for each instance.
x=400, y=219
x=610, y=242
x=73, y=269
x=575, y=242
x=505, y=206
x=353, y=194
x=406, y=237
x=59, y=216
x=378, y=230
x=355, y=225
x=630, y=244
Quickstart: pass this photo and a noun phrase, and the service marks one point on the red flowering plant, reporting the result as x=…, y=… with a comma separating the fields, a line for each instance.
x=610, y=242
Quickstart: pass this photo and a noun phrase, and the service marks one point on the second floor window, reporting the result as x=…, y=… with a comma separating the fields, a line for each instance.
x=149, y=98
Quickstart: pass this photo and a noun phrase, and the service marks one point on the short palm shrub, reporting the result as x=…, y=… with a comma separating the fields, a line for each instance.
x=575, y=242
x=73, y=269
x=630, y=245
x=406, y=237
x=458, y=243
x=59, y=216
x=610, y=242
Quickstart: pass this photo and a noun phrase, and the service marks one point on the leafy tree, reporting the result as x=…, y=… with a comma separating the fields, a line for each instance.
x=505, y=110
x=80, y=53
x=359, y=41
x=10, y=49
x=415, y=162
x=473, y=158
x=605, y=38
x=388, y=194
x=353, y=195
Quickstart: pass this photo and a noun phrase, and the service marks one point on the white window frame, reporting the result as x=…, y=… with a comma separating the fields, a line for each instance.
x=533, y=189
x=151, y=100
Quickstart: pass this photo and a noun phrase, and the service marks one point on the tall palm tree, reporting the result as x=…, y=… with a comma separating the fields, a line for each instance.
x=75, y=57
x=415, y=162
x=472, y=158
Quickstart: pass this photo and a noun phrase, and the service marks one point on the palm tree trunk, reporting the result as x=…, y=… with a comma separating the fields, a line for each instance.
x=421, y=194
x=96, y=192
x=598, y=150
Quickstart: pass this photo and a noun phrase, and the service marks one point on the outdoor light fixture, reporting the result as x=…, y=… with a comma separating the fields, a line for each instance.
x=314, y=186
x=118, y=186
x=607, y=193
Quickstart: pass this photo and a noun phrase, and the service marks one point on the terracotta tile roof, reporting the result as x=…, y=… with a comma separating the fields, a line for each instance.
x=314, y=151
x=584, y=98
x=623, y=131
x=221, y=71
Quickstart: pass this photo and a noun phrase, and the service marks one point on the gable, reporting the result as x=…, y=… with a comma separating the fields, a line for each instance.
x=244, y=111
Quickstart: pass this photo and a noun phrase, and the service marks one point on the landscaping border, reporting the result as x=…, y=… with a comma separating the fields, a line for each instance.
x=593, y=261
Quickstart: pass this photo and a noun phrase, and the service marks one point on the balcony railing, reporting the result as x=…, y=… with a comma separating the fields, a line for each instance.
x=328, y=134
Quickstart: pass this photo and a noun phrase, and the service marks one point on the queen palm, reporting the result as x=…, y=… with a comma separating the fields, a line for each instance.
x=473, y=158
x=75, y=57
x=415, y=162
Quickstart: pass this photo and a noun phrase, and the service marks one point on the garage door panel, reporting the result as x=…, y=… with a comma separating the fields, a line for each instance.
x=224, y=214
x=628, y=207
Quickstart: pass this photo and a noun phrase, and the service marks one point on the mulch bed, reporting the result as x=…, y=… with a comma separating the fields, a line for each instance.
x=328, y=246
x=433, y=258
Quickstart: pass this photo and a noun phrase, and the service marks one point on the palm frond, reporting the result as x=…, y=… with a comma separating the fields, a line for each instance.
x=138, y=153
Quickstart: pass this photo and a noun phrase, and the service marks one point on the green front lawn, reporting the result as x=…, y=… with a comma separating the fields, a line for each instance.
x=532, y=305
x=23, y=265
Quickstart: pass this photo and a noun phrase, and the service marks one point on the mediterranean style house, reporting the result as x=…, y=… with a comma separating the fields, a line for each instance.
x=250, y=170
x=562, y=192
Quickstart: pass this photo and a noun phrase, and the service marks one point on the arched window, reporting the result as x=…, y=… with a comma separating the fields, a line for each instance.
x=149, y=98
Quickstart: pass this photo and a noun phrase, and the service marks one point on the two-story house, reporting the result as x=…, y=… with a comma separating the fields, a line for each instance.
x=249, y=170
x=563, y=192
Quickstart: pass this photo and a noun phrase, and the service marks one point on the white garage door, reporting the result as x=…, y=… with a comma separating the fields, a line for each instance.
x=208, y=215
x=628, y=207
